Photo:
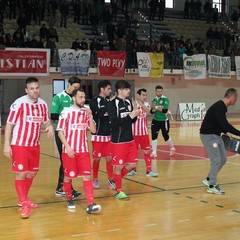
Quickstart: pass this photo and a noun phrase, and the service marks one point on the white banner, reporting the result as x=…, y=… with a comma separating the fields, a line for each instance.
x=195, y=66
x=219, y=67
x=237, y=63
x=144, y=64
x=192, y=111
x=74, y=62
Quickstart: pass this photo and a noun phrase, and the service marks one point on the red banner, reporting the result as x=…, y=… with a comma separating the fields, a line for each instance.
x=111, y=63
x=24, y=62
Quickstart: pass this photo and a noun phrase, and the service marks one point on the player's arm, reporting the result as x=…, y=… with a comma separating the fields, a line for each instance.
x=55, y=105
x=70, y=151
x=96, y=110
x=164, y=108
x=92, y=124
x=48, y=128
x=7, y=150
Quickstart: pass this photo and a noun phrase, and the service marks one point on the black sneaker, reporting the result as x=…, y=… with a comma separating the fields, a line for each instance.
x=93, y=208
x=60, y=193
x=71, y=204
x=75, y=194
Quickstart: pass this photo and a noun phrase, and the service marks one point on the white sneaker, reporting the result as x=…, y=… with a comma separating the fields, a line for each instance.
x=152, y=174
x=172, y=152
x=205, y=182
x=132, y=172
x=153, y=154
x=215, y=190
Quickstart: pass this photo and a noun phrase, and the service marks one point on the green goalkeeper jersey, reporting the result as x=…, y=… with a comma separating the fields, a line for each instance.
x=59, y=102
x=161, y=102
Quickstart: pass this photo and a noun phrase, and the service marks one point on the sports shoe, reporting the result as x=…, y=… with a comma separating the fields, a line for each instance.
x=96, y=183
x=60, y=193
x=132, y=172
x=93, y=208
x=205, y=182
x=172, y=152
x=215, y=190
x=122, y=196
x=75, y=194
x=153, y=154
x=71, y=204
x=152, y=174
x=29, y=203
x=111, y=184
x=25, y=212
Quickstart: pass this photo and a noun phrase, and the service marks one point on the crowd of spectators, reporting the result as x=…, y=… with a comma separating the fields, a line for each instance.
x=121, y=35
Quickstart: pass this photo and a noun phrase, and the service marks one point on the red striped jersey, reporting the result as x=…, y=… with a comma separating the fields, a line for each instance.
x=140, y=126
x=27, y=118
x=74, y=122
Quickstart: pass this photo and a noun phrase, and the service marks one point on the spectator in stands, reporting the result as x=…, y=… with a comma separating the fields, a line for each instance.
x=210, y=35
x=212, y=48
x=113, y=45
x=186, y=9
x=110, y=30
x=199, y=46
x=51, y=13
x=192, y=9
x=2, y=10
x=52, y=33
x=76, y=44
x=181, y=51
x=34, y=43
x=2, y=32
x=228, y=52
x=158, y=48
x=94, y=47
x=161, y=10
x=215, y=14
x=198, y=8
x=86, y=11
x=153, y=4
x=38, y=12
x=228, y=38
x=101, y=12
x=28, y=5
x=12, y=9
x=84, y=44
x=207, y=8
x=234, y=19
x=144, y=47
x=52, y=46
x=114, y=10
x=94, y=20
x=121, y=44
x=217, y=37
x=22, y=22
x=9, y=40
x=222, y=37
x=19, y=40
x=189, y=49
x=134, y=48
x=77, y=11
x=41, y=43
x=64, y=13
x=43, y=32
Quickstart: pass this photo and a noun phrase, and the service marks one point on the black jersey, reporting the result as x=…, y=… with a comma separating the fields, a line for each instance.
x=99, y=109
x=215, y=121
x=120, y=121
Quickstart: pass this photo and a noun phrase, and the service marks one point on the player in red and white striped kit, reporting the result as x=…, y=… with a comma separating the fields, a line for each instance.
x=72, y=131
x=27, y=115
x=140, y=132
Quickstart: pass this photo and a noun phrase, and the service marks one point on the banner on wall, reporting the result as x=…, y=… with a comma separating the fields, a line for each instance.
x=24, y=62
x=191, y=111
x=195, y=66
x=74, y=62
x=150, y=64
x=237, y=64
x=219, y=67
x=111, y=63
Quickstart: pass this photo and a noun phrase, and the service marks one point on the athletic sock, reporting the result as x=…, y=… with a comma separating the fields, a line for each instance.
x=124, y=172
x=95, y=169
x=154, y=145
x=118, y=181
x=170, y=142
x=88, y=189
x=109, y=168
x=20, y=186
x=148, y=162
x=67, y=186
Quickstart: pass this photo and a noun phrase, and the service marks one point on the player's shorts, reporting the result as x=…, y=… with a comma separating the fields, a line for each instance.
x=25, y=158
x=143, y=142
x=123, y=153
x=79, y=165
x=101, y=149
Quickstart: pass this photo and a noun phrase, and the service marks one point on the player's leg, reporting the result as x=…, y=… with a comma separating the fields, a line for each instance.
x=165, y=126
x=155, y=127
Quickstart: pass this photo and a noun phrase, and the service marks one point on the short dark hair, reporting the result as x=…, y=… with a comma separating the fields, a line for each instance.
x=139, y=92
x=75, y=91
x=121, y=84
x=103, y=84
x=31, y=80
x=230, y=92
x=158, y=87
x=73, y=80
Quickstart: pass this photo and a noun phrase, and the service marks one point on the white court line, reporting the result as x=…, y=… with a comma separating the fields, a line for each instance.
x=209, y=216
x=238, y=164
x=150, y=225
x=114, y=230
x=80, y=234
x=184, y=220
